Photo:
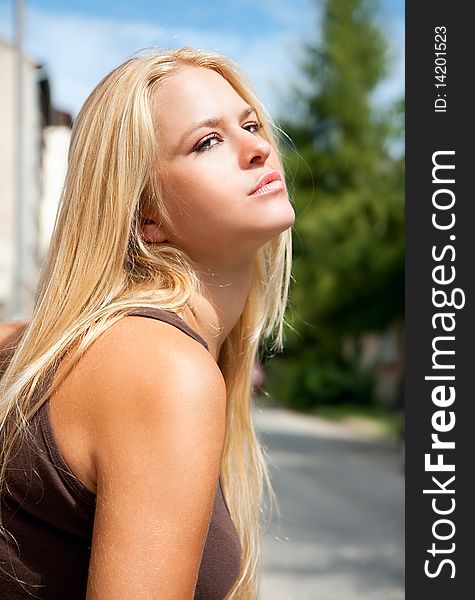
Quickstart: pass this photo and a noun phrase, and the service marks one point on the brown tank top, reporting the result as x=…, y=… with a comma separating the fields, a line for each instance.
x=49, y=516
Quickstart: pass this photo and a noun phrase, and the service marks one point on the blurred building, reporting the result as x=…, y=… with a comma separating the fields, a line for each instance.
x=38, y=172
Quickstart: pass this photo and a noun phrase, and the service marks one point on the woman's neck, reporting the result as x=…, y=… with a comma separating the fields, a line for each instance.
x=215, y=312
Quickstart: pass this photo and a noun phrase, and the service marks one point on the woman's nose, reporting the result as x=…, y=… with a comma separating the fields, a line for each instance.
x=255, y=149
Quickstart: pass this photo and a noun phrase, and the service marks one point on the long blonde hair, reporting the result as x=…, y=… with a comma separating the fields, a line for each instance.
x=98, y=268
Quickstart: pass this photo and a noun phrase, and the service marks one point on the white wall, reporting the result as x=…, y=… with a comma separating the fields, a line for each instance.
x=55, y=157
x=30, y=175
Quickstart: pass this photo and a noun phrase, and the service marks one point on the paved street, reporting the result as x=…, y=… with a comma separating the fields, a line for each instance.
x=341, y=498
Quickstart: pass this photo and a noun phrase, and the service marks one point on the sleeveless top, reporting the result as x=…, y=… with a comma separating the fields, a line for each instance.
x=49, y=514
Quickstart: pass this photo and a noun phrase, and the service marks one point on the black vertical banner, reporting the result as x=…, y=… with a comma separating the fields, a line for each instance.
x=440, y=273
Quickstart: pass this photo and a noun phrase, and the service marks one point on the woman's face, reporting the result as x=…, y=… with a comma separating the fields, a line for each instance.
x=212, y=159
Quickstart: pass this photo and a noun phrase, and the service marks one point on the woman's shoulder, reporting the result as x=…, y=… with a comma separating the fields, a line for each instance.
x=146, y=358
x=141, y=377
x=157, y=408
x=135, y=350
x=10, y=331
x=10, y=334
x=140, y=365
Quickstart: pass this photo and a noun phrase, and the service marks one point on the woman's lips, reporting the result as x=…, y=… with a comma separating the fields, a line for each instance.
x=269, y=183
x=274, y=186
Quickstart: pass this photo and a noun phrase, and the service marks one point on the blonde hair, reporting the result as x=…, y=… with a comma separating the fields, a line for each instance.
x=98, y=268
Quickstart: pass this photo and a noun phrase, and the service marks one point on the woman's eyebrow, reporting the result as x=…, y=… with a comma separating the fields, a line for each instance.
x=213, y=122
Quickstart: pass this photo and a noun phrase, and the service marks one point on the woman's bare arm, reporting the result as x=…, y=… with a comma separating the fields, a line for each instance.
x=157, y=402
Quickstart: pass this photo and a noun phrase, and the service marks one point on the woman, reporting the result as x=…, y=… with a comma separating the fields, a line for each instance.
x=130, y=466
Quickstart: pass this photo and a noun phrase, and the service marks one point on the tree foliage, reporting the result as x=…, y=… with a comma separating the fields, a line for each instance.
x=348, y=191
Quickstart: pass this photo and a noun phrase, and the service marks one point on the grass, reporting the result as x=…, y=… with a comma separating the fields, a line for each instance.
x=376, y=420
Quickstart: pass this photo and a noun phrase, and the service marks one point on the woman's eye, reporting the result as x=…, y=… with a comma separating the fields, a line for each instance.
x=253, y=127
x=206, y=144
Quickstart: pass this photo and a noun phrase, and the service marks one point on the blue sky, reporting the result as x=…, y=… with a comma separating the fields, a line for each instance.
x=79, y=42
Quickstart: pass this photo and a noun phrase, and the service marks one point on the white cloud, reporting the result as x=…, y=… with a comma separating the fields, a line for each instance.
x=78, y=50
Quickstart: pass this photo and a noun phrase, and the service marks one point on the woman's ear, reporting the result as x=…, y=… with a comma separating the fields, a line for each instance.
x=152, y=231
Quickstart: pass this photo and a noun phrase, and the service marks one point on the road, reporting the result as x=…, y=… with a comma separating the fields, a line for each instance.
x=341, y=499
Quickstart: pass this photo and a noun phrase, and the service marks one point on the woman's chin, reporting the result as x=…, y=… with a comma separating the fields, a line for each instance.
x=280, y=217
x=276, y=225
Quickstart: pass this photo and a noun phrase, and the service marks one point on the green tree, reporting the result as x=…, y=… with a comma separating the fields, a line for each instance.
x=348, y=191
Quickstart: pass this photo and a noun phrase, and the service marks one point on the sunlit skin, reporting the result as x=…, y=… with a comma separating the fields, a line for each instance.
x=208, y=175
